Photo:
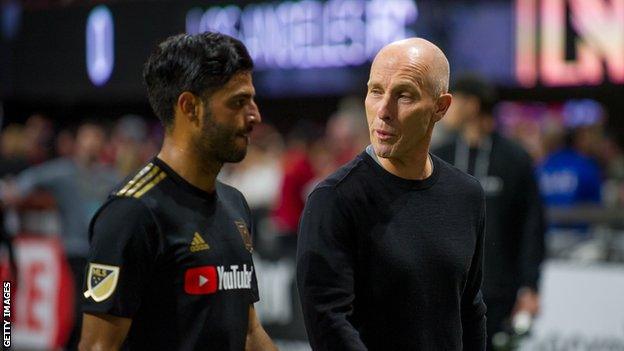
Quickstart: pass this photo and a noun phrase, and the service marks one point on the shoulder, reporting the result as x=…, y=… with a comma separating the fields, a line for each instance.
x=228, y=192
x=456, y=182
x=141, y=183
x=341, y=187
x=347, y=178
x=231, y=195
x=568, y=159
x=511, y=150
x=123, y=209
x=119, y=219
x=234, y=200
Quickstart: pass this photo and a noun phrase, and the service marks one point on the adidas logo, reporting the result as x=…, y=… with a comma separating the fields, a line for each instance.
x=198, y=243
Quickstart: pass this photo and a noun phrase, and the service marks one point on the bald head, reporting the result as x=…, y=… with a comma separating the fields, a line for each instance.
x=422, y=55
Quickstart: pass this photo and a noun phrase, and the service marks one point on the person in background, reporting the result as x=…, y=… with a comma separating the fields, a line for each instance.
x=64, y=143
x=39, y=135
x=298, y=173
x=611, y=159
x=346, y=134
x=128, y=138
x=79, y=184
x=514, y=243
x=570, y=176
x=12, y=161
x=13, y=152
x=258, y=176
x=446, y=131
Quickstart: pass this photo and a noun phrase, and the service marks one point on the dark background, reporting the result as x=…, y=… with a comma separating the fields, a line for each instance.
x=42, y=60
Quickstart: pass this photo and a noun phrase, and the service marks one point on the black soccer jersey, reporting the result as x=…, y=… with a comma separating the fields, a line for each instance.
x=176, y=260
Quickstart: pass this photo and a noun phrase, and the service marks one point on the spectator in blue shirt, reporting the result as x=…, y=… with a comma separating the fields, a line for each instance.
x=570, y=176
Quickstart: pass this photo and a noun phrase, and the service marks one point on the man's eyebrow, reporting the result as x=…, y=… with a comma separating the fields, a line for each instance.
x=244, y=93
x=405, y=86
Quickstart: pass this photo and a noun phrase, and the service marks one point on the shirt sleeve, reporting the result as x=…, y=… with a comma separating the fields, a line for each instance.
x=123, y=252
x=325, y=273
x=472, y=306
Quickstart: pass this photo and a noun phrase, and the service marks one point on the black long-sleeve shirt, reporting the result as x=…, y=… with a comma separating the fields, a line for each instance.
x=514, y=247
x=386, y=263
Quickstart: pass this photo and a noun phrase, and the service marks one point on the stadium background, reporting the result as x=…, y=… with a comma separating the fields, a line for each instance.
x=558, y=64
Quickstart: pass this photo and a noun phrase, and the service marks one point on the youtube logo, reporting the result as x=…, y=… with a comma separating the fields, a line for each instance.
x=201, y=280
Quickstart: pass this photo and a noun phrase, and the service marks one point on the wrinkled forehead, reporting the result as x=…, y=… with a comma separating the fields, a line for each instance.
x=408, y=64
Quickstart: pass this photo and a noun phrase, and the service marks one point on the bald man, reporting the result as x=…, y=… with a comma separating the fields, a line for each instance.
x=391, y=245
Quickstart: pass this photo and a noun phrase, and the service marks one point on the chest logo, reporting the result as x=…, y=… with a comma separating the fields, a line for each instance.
x=101, y=281
x=206, y=280
x=198, y=243
x=201, y=280
x=244, y=232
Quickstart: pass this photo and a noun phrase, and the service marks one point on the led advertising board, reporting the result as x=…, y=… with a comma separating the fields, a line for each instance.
x=87, y=52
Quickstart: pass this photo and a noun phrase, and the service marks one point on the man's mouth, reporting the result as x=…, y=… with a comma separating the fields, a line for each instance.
x=245, y=133
x=383, y=135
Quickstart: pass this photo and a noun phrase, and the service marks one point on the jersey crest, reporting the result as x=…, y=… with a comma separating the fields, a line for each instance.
x=101, y=281
x=244, y=232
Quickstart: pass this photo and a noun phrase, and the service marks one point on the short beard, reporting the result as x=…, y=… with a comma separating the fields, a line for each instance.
x=217, y=143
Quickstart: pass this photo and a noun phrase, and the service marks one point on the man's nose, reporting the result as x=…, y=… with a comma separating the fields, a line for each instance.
x=254, y=116
x=384, y=109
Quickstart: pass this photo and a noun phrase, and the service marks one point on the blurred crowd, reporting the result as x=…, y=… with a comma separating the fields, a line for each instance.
x=54, y=178
x=577, y=163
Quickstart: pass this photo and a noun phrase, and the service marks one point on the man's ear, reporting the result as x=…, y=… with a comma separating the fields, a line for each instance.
x=189, y=107
x=442, y=104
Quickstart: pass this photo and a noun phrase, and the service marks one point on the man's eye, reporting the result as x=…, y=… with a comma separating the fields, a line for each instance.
x=375, y=92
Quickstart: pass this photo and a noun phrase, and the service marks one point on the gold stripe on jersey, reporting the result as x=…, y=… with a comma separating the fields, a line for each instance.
x=151, y=184
x=136, y=187
x=136, y=178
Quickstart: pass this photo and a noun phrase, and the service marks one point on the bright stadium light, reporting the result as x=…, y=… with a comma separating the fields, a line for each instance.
x=100, y=45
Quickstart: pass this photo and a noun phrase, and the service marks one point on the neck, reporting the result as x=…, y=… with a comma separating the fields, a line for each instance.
x=188, y=164
x=416, y=166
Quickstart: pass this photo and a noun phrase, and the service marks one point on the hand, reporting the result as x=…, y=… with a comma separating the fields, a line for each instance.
x=527, y=300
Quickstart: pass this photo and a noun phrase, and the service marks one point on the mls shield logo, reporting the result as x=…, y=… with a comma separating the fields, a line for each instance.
x=101, y=281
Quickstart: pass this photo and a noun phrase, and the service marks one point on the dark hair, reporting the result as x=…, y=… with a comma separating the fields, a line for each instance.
x=474, y=85
x=200, y=63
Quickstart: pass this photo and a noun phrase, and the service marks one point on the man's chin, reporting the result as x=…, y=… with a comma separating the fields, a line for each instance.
x=235, y=156
x=383, y=151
